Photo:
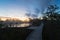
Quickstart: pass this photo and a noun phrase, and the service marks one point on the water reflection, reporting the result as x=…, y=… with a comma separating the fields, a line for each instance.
x=19, y=25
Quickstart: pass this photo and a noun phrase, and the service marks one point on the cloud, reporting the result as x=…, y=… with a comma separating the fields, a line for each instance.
x=37, y=7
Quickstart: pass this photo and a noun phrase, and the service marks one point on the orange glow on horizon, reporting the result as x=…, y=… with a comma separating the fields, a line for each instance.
x=3, y=19
x=23, y=19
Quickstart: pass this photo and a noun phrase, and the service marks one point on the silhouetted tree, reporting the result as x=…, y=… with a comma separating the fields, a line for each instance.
x=51, y=12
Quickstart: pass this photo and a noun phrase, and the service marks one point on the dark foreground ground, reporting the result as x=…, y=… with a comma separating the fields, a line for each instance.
x=14, y=33
x=51, y=31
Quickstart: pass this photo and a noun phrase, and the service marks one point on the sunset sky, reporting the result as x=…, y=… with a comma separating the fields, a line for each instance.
x=19, y=8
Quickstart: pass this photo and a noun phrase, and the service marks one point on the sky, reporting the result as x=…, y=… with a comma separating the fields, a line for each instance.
x=22, y=8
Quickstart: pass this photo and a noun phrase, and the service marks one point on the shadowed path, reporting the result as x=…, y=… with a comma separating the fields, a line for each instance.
x=36, y=34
